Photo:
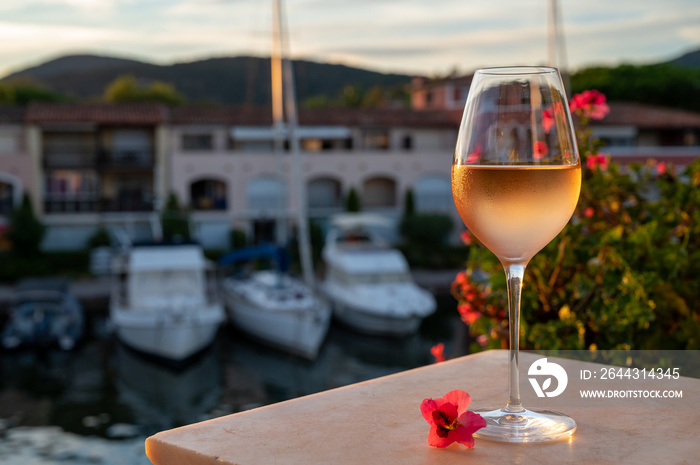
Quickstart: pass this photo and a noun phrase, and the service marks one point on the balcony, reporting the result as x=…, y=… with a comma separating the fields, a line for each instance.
x=91, y=203
x=126, y=159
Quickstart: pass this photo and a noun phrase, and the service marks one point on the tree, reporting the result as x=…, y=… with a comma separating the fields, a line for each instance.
x=176, y=225
x=410, y=207
x=26, y=231
x=352, y=201
x=125, y=89
x=24, y=91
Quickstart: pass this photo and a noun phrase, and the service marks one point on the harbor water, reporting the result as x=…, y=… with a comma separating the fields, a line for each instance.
x=98, y=403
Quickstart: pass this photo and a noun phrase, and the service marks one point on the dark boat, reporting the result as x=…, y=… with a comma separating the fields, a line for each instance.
x=44, y=313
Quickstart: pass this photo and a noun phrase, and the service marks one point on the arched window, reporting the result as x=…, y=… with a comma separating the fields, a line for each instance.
x=433, y=194
x=267, y=195
x=208, y=194
x=379, y=192
x=323, y=193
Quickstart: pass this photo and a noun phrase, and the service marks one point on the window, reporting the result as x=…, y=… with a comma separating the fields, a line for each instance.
x=208, y=194
x=71, y=191
x=379, y=192
x=433, y=194
x=197, y=142
x=323, y=193
x=9, y=143
x=267, y=195
x=375, y=139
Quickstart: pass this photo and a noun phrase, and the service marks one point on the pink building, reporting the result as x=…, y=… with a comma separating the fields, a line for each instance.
x=97, y=165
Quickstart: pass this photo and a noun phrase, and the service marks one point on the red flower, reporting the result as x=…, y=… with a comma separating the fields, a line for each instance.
x=468, y=314
x=588, y=212
x=661, y=168
x=475, y=155
x=438, y=351
x=590, y=104
x=595, y=161
x=549, y=115
x=466, y=237
x=449, y=420
x=539, y=150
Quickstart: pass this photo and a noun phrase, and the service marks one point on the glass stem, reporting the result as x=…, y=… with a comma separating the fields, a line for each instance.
x=514, y=279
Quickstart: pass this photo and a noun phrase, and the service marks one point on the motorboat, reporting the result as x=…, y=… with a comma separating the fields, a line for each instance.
x=368, y=282
x=163, y=300
x=273, y=306
x=44, y=312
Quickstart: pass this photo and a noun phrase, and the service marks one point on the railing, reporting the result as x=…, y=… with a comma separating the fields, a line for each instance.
x=93, y=204
x=136, y=158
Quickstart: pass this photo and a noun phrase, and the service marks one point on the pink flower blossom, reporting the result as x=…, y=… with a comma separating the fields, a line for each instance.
x=466, y=237
x=590, y=104
x=661, y=168
x=550, y=114
x=475, y=155
x=597, y=161
x=468, y=313
x=438, y=351
x=482, y=340
x=539, y=150
x=450, y=421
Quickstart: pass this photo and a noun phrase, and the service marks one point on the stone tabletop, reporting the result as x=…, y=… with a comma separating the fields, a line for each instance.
x=379, y=422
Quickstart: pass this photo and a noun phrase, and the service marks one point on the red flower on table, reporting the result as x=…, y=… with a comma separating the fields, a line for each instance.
x=438, y=351
x=590, y=104
x=450, y=421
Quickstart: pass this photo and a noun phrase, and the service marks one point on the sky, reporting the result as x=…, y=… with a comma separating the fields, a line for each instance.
x=425, y=37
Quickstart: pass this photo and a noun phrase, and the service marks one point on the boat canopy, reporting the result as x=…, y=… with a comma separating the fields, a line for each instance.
x=278, y=254
x=368, y=261
x=176, y=257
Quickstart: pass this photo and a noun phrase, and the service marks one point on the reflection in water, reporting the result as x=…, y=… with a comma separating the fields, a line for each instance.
x=103, y=389
x=161, y=398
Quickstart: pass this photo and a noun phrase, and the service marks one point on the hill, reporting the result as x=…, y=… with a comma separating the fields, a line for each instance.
x=227, y=80
x=689, y=60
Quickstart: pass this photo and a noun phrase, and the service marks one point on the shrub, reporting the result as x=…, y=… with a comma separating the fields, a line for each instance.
x=621, y=275
x=26, y=231
x=352, y=201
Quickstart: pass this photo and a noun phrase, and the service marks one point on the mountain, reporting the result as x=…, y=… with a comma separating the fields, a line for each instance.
x=688, y=60
x=227, y=80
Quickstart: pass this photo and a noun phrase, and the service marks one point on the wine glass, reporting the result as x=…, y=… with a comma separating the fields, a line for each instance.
x=516, y=179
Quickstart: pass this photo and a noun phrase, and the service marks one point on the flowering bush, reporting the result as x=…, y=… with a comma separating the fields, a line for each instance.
x=621, y=275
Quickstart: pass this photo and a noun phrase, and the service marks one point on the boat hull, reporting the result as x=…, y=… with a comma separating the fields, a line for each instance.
x=168, y=334
x=372, y=323
x=298, y=331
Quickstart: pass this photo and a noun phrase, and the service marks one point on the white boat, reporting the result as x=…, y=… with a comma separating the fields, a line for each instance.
x=161, y=302
x=369, y=283
x=274, y=307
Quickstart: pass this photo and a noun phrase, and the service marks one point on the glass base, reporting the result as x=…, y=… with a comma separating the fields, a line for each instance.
x=525, y=426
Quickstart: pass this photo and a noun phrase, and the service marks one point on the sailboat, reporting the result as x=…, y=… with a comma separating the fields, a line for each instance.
x=272, y=306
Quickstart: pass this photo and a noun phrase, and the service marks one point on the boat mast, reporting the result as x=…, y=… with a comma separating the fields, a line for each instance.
x=556, y=46
x=278, y=131
x=292, y=121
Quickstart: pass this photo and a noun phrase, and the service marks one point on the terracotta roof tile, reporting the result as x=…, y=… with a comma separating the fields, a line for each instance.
x=262, y=116
x=11, y=115
x=648, y=116
x=101, y=113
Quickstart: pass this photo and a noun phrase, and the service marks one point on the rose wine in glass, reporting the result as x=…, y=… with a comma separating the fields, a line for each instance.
x=516, y=179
